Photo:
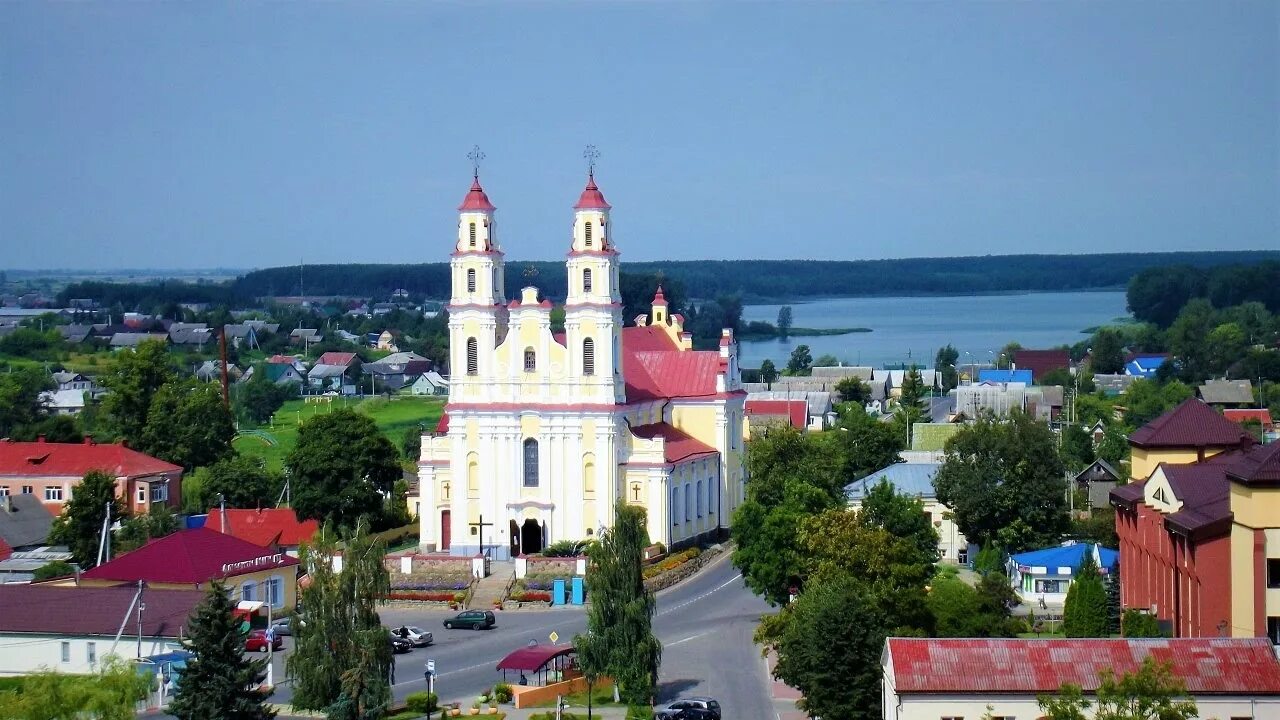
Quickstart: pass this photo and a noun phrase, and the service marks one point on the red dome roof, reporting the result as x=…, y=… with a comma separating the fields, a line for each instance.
x=476, y=199
x=592, y=198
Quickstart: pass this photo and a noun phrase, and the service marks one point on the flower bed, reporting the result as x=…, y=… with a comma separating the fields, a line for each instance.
x=426, y=596
x=671, y=562
x=529, y=596
x=673, y=573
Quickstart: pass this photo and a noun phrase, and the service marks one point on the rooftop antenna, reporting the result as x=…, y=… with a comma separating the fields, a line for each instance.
x=475, y=156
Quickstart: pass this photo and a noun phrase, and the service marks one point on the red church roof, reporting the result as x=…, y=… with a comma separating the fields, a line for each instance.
x=1191, y=424
x=264, y=526
x=678, y=445
x=592, y=198
x=76, y=459
x=795, y=411
x=190, y=557
x=1208, y=666
x=653, y=375
x=442, y=426
x=476, y=200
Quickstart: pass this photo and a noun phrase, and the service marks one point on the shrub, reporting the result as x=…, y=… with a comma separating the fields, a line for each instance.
x=1137, y=624
x=422, y=595
x=639, y=713
x=502, y=692
x=421, y=702
x=563, y=548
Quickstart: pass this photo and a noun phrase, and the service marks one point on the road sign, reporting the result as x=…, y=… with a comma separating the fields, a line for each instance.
x=431, y=666
x=554, y=637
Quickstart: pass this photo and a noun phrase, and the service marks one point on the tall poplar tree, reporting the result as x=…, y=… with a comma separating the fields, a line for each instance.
x=79, y=527
x=220, y=682
x=619, y=641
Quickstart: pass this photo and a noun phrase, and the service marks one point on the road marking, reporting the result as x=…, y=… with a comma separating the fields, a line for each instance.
x=703, y=596
x=691, y=637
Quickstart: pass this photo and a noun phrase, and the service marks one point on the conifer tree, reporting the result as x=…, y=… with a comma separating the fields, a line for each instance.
x=1085, y=613
x=619, y=641
x=1114, y=609
x=220, y=682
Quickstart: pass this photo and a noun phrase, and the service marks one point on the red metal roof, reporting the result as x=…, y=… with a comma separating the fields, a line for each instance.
x=49, y=609
x=476, y=199
x=1041, y=362
x=76, y=459
x=264, y=526
x=1260, y=466
x=191, y=556
x=795, y=411
x=443, y=425
x=678, y=445
x=659, y=298
x=336, y=358
x=591, y=198
x=647, y=337
x=533, y=657
x=1263, y=417
x=657, y=375
x=281, y=360
x=1191, y=424
x=1023, y=666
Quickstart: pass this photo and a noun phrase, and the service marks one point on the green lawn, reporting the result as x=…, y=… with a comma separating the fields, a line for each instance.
x=392, y=417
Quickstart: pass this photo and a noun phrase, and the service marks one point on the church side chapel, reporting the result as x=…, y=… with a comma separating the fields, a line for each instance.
x=544, y=431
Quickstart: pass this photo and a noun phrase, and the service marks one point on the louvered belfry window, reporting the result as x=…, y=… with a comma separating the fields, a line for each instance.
x=473, y=357
x=588, y=234
x=588, y=357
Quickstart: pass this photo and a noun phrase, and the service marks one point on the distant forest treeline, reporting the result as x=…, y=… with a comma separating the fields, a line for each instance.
x=1157, y=295
x=749, y=280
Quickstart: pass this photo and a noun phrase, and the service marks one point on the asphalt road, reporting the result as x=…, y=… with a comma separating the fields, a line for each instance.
x=705, y=624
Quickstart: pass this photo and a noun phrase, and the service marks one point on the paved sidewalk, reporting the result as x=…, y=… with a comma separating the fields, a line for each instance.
x=784, y=696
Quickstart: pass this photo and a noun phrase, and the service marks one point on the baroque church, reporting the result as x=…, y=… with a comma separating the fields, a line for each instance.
x=544, y=431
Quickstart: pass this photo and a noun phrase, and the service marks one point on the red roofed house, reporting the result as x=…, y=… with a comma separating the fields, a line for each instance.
x=51, y=471
x=1041, y=362
x=932, y=678
x=759, y=414
x=1262, y=417
x=544, y=431
x=1199, y=526
x=191, y=559
x=269, y=527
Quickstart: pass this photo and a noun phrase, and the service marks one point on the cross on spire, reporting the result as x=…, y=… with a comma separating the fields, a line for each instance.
x=591, y=154
x=475, y=156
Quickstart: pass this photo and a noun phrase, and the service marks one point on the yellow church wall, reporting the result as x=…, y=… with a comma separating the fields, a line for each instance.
x=697, y=420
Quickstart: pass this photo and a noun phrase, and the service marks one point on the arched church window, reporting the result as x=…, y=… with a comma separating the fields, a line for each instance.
x=530, y=360
x=586, y=280
x=589, y=474
x=471, y=280
x=473, y=357
x=531, y=463
x=588, y=357
x=473, y=234
x=588, y=236
x=473, y=475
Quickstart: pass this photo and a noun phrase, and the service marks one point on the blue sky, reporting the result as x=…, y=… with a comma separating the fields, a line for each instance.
x=147, y=134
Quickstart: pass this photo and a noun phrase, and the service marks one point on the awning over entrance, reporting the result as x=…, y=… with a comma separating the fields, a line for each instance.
x=533, y=657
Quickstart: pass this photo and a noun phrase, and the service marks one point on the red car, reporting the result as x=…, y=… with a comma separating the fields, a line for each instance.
x=257, y=641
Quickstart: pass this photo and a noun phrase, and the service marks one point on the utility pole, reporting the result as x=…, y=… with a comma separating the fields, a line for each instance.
x=141, y=606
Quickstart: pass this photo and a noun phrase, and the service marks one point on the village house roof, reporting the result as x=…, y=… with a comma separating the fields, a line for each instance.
x=794, y=412
x=68, y=399
x=1208, y=666
x=133, y=339
x=1240, y=415
x=991, y=375
x=75, y=333
x=1191, y=424
x=1099, y=469
x=1227, y=392
x=62, y=610
x=337, y=358
x=75, y=459
x=678, y=445
x=190, y=557
x=840, y=372
x=24, y=521
x=1066, y=556
x=1144, y=366
x=326, y=371
x=909, y=478
x=1041, y=362
x=267, y=527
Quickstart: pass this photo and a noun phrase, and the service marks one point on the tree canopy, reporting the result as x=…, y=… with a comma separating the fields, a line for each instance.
x=340, y=468
x=1153, y=692
x=220, y=682
x=80, y=525
x=1085, y=613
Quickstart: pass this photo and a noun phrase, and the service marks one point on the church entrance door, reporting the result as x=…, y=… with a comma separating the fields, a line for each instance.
x=531, y=537
x=446, y=529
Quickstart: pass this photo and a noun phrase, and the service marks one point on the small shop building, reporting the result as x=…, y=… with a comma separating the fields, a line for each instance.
x=1047, y=574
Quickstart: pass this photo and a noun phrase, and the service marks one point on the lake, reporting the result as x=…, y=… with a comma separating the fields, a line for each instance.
x=911, y=329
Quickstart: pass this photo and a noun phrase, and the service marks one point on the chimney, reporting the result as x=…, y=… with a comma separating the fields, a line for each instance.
x=88, y=440
x=40, y=439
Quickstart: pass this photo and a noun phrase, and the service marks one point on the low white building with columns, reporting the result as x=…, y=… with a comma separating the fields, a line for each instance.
x=544, y=431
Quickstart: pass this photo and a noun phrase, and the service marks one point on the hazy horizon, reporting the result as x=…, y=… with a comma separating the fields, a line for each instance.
x=191, y=136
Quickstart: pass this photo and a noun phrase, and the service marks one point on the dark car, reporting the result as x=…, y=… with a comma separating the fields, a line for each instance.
x=261, y=641
x=474, y=619
x=399, y=645
x=690, y=708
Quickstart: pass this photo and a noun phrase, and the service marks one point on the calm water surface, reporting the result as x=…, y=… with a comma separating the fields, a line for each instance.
x=911, y=329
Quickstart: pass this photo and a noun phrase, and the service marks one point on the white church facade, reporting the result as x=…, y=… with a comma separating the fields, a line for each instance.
x=544, y=431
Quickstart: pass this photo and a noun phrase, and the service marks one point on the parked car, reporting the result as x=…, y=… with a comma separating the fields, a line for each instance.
x=284, y=626
x=414, y=634
x=261, y=641
x=474, y=619
x=399, y=644
x=690, y=708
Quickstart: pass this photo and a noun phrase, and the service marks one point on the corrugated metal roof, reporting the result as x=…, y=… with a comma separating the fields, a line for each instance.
x=76, y=459
x=677, y=444
x=1245, y=666
x=915, y=479
x=795, y=411
x=92, y=610
x=190, y=556
x=1066, y=556
x=1227, y=392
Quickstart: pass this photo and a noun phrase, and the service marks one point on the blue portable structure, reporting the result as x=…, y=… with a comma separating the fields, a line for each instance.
x=579, y=591
x=557, y=591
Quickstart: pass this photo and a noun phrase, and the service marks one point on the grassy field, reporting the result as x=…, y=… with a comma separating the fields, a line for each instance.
x=392, y=417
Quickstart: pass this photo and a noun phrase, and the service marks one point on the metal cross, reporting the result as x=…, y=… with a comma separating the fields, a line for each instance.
x=481, y=525
x=475, y=156
x=445, y=486
x=591, y=154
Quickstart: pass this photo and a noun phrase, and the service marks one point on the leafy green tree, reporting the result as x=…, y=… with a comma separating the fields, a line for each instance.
x=242, y=481
x=945, y=363
x=853, y=390
x=1077, y=448
x=188, y=425
x=1114, y=446
x=54, y=569
x=259, y=398
x=220, y=682
x=132, y=380
x=903, y=517
x=411, y=443
x=1085, y=612
x=963, y=611
x=1146, y=400
x=1151, y=693
x=989, y=560
x=619, y=641
x=829, y=646
x=801, y=361
x=1005, y=358
x=1004, y=481
x=1227, y=344
x=79, y=527
x=1156, y=295
x=342, y=654
x=784, y=321
x=20, y=405
x=112, y=693
x=1107, y=355
x=768, y=371
x=1188, y=339
x=867, y=444
x=340, y=467
x=1137, y=624
x=826, y=360
x=138, y=530
x=28, y=342
x=793, y=476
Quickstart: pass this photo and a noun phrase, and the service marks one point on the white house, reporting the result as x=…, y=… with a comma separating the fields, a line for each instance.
x=63, y=402
x=72, y=629
x=915, y=479
x=430, y=383
x=957, y=678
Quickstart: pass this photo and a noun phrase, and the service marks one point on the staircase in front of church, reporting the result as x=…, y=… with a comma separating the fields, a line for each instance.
x=491, y=589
